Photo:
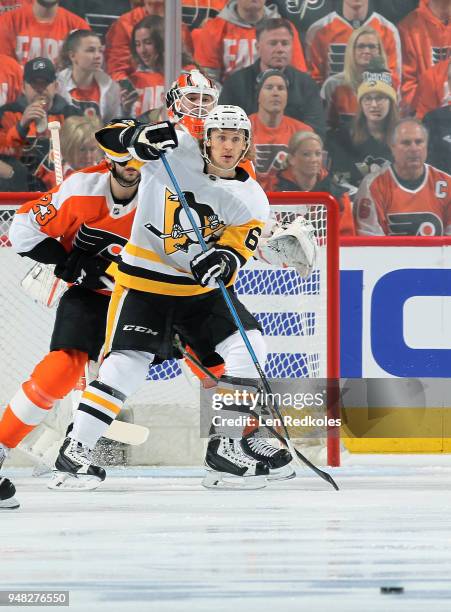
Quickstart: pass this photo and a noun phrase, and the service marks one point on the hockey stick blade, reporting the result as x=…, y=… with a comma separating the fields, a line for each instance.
x=324, y=475
x=127, y=433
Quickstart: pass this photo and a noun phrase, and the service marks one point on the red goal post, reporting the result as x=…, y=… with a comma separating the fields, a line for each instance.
x=302, y=336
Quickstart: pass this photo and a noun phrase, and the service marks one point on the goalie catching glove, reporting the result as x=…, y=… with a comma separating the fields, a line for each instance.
x=213, y=265
x=294, y=245
x=146, y=142
x=84, y=269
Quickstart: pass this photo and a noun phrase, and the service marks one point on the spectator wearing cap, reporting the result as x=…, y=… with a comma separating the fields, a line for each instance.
x=302, y=170
x=275, y=50
x=227, y=43
x=37, y=30
x=23, y=123
x=271, y=128
x=407, y=197
x=363, y=146
x=82, y=82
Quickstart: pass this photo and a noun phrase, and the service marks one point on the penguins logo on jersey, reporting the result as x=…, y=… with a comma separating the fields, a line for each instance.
x=178, y=234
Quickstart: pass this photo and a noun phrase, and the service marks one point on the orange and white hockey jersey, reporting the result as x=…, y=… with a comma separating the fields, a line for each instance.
x=326, y=41
x=385, y=207
x=23, y=37
x=10, y=79
x=226, y=44
x=425, y=41
x=80, y=212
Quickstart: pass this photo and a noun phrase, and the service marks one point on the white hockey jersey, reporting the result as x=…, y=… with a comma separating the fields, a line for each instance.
x=229, y=212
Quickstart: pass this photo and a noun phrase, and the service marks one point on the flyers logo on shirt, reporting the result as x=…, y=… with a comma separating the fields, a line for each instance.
x=177, y=233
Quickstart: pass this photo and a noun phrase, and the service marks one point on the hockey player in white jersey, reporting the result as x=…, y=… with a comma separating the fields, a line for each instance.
x=165, y=284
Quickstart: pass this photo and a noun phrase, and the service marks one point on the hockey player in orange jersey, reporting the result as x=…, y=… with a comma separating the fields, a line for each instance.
x=37, y=30
x=95, y=206
x=407, y=197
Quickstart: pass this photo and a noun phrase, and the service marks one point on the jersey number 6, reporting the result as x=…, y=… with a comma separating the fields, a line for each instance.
x=251, y=241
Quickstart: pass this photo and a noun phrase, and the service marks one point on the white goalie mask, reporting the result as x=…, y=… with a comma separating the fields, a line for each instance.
x=227, y=117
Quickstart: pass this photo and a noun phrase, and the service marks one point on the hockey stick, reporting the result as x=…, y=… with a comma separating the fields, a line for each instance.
x=324, y=475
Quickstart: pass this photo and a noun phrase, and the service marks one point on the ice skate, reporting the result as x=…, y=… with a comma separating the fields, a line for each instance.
x=74, y=470
x=229, y=468
x=278, y=460
x=7, y=489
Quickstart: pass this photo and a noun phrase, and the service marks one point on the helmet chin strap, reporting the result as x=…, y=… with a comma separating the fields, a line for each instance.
x=120, y=180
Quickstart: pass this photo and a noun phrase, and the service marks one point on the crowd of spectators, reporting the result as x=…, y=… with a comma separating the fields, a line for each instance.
x=347, y=96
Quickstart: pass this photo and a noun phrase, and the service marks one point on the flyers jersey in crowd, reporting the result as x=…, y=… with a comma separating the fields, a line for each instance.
x=223, y=46
x=23, y=37
x=11, y=5
x=150, y=88
x=433, y=90
x=426, y=40
x=81, y=211
x=162, y=243
x=10, y=79
x=327, y=38
x=384, y=206
x=271, y=145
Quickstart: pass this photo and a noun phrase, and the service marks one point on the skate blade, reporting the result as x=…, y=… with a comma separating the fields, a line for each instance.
x=221, y=480
x=283, y=473
x=69, y=482
x=9, y=504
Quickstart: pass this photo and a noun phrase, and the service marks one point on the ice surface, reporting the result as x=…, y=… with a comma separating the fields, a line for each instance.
x=153, y=539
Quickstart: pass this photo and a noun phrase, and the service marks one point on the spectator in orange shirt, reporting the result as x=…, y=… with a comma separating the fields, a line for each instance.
x=37, y=30
x=24, y=123
x=11, y=5
x=271, y=128
x=10, y=79
x=79, y=147
x=434, y=89
x=303, y=171
x=119, y=63
x=228, y=42
x=339, y=91
x=327, y=38
x=426, y=39
x=82, y=82
x=275, y=50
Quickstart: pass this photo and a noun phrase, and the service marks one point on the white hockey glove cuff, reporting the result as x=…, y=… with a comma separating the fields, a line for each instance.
x=293, y=246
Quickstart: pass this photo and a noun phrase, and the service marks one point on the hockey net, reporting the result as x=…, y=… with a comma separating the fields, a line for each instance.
x=299, y=317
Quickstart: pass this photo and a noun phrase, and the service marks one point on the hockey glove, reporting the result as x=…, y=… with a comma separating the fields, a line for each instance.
x=84, y=269
x=213, y=265
x=147, y=142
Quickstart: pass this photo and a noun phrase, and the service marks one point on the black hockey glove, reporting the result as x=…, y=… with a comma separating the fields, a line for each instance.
x=213, y=265
x=84, y=269
x=147, y=142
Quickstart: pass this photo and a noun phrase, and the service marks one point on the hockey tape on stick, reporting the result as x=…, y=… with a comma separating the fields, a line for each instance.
x=54, y=127
x=267, y=387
